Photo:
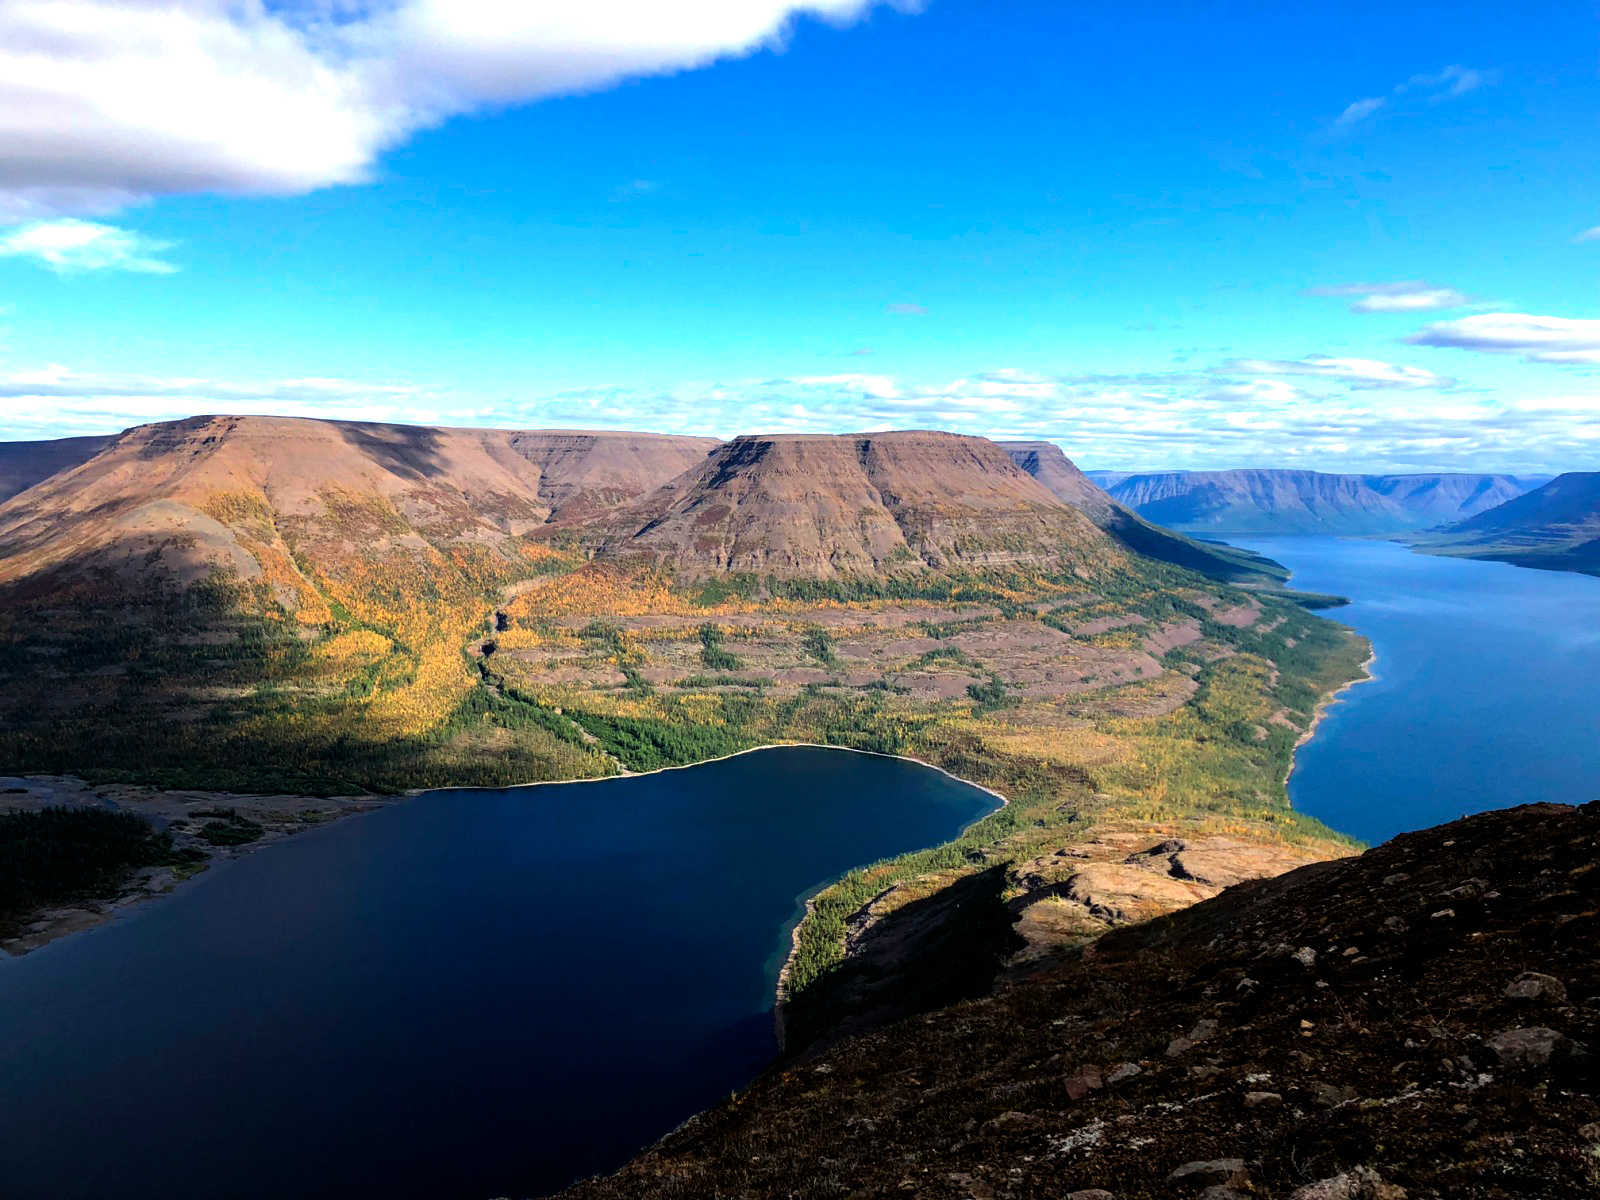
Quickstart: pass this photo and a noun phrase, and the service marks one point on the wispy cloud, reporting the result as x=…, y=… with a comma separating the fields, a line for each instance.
x=1537, y=339
x=905, y=310
x=1246, y=412
x=1448, y=83
x=284, y=98
x=1363, y=374
x=69, y=245
x=1589, y=235
x=1409, y=296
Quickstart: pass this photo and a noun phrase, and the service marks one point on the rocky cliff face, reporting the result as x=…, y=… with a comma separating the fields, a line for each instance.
x=23, y=464
x=1419, y=1021
x=854, y=505
x=1281, y=501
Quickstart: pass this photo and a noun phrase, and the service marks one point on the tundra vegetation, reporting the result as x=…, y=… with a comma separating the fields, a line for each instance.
x=1137, y=693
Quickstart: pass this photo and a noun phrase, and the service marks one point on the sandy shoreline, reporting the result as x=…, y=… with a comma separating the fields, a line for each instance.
x=1325, y=705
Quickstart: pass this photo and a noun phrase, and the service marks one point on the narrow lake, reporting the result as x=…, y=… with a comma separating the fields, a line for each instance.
x=467, y=995
x=1487, y=692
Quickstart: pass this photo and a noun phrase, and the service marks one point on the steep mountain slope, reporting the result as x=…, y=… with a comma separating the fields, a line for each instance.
x=1416, y=1022
x=826, y=506
x=1289, y=501
x=1046, y=462
x=249, y=494
x=1556, y=527
x=23, y=464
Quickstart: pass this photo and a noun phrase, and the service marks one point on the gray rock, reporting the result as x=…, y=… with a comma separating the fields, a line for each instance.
x=1531, y=985
x=1218, y=1171
x=1222, y=1192
x=1262, y=1100
x=1524, y=1049
x=1091, y=1194
x=1123, y=1071
x=1327, y=1095
x=1306, y=956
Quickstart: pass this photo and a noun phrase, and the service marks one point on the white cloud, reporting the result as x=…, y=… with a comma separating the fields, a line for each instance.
x=69, y=245
x=1537, y=339
x=1589, y=235
x=905, y=310
x=1177, y=419
x=1409, y=296
x=1358, y=373
x=103, y=102
x=1359, y=110
x=1448, y=83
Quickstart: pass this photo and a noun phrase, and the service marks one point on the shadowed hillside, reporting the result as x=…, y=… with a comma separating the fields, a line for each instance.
x=23, y=464
x=1555, y=527
x=1286, y=501
x=1046, y=463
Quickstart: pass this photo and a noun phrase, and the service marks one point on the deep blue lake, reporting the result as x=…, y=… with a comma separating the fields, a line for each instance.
x=1487, y=692
x=466, y=995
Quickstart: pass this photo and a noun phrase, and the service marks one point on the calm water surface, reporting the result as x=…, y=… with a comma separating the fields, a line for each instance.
x=471, y=994
x=1487, y=692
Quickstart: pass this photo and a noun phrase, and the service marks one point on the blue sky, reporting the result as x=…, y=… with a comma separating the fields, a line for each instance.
x=1343, y=236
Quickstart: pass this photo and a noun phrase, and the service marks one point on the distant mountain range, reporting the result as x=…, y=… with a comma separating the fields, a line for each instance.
x=1556, y=527
x=1292, y=501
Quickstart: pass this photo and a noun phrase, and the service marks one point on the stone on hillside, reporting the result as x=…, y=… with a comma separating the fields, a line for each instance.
x=1531, y=985
x=1327, y=1095
x=1123, y=1071
x=1262, y=1100
x=1091, y=1194
x=1524, y=1049
x=1218, y=1171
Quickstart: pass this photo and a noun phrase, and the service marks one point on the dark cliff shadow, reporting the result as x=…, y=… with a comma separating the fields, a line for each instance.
x=409, y=451
x=926, y=955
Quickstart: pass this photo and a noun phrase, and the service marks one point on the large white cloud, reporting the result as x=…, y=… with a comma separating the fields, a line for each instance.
x=103, y=102
x=1536, y=339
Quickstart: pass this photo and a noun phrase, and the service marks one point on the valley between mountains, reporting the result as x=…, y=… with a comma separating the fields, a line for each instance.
x=246, y=626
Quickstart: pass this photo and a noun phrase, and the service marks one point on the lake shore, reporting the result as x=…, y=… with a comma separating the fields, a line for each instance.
x=175, y=811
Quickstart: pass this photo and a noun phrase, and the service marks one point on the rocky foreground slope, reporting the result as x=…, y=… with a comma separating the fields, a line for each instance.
x=1556, y=527
x=1292, y=501
x=1420, y=1021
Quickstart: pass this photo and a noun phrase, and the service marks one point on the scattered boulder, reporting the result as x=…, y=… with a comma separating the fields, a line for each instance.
x=1182, y=1045
x=1085, y=1081
x=1531, y=985
x=1123, y=1071
x=1526, y=1049
x=1224, y=1172
x=1327, y=1095
x=1262, y=1100
x=1091, y=1194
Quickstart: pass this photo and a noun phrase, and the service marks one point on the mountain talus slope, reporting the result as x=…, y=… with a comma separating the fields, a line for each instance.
x=23, y=464
x=1418, y=1022
x=1293, y=501
x=823, y=505
x=1556, y=527
x=1046, y=462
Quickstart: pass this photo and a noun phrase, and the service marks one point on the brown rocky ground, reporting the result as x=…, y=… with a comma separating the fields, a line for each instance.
x=1418, y=1022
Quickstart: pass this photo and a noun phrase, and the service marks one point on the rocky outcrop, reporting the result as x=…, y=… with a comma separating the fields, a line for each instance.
x=1418, y=1022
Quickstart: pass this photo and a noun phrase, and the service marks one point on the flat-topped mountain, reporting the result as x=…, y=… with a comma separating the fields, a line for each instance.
x=825, y=505
x=1047, y=463
x=23, y=464
x=1293, y=501
x=235, y=492
x=1556, y=527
